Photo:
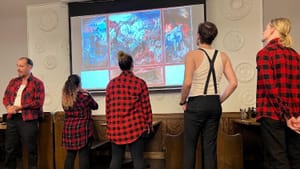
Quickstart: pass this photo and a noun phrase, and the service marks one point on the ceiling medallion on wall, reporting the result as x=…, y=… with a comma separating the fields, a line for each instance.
x=48, y=20
x=247, y=98
x=236, y=9
x=50, y=62
x=245, y=72
x=233, y=41
x=40, y=45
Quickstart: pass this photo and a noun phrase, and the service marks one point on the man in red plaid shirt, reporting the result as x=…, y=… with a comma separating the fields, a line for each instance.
x=23, y=100
x=128, y=114
x=278, y=97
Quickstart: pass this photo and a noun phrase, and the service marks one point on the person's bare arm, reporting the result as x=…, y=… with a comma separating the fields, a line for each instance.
x=230, y=77
x=188, y=75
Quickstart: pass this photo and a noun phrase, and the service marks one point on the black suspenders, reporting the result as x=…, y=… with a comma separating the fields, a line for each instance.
x=211, y=71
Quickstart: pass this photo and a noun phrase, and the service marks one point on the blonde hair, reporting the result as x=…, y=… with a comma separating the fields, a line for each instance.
x=283, y=26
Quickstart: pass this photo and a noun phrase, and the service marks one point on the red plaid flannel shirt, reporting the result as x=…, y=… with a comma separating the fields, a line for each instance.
x=32, y=100
x=278, y=82
x=78, y=124
x=128, y=109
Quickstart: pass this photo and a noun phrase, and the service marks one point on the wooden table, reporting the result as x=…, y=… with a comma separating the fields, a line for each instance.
x=3, y=126
x=252, y=143
x=248, y=122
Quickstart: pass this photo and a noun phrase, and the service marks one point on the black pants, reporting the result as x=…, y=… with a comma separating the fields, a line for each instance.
x=19, y=131
x=84, y=160
x=137, y=154
x=202, y=116
x=281, y=145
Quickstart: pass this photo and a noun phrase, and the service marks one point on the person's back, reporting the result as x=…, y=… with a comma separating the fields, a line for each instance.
x=201, y=97
x=78, y=125
x=128, y=114
x=124, y=109
x=277, y=96
x=283, y=86
x=202, y=67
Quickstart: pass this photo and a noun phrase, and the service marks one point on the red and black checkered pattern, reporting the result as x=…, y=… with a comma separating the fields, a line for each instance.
x=128, y=109
x=78, y=124
x=32, y=100
x=278, y=82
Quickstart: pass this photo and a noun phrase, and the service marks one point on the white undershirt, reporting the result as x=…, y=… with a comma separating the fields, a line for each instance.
x=19, y=95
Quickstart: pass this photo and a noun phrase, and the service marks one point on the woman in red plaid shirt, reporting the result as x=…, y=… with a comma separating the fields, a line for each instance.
x=128, y=114
x=278, y=97
x=78, y=125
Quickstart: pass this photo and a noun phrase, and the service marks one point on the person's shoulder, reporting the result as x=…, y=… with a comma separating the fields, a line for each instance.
x=15, y=79
x=224, y=55
x=112, y=82
x=140, y=80
x=194, y=52
x=83, y=94
x=191, y=55
x=36, y=79
x=293, y=51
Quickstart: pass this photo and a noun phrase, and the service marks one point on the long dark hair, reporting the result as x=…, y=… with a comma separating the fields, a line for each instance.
x=69, y=92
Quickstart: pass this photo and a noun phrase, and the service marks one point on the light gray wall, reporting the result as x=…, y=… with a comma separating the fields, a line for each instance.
x=13, y=37
x=287, y=8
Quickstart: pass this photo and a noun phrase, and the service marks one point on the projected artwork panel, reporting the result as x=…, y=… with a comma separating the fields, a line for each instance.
x=177, y=33
x=137, y=33
x=94, y=43
x=157, y=39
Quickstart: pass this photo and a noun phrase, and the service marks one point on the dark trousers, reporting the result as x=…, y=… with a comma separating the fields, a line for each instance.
x=84, y=162
x=19, y=131
x=202, y=116
x=137, y=154
x=281, y=145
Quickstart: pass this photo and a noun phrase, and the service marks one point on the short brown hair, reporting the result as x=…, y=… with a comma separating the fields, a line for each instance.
x=28, y=60
x=207, y=32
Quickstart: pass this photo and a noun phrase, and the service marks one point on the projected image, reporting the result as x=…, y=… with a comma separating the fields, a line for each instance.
x=177, y=33
x=157, y=39
x=152, y=75
x=94, y=42
x=137, y=33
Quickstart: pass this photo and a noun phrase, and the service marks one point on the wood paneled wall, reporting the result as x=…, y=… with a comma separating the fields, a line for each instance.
x=163, y=151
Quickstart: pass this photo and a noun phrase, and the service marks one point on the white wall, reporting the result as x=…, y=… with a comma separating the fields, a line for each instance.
x=13, y=41
x=48, y=46
x=240, y=30
x=287, y=8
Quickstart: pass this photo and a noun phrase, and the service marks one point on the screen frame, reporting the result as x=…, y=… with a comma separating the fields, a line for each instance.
x=94, y=7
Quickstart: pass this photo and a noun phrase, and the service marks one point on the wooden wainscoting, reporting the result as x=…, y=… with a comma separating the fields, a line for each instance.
x=163, y=151
x=45, y=144
x=60, y=152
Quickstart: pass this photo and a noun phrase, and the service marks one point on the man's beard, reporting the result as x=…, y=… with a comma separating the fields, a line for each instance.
x=21, y=75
